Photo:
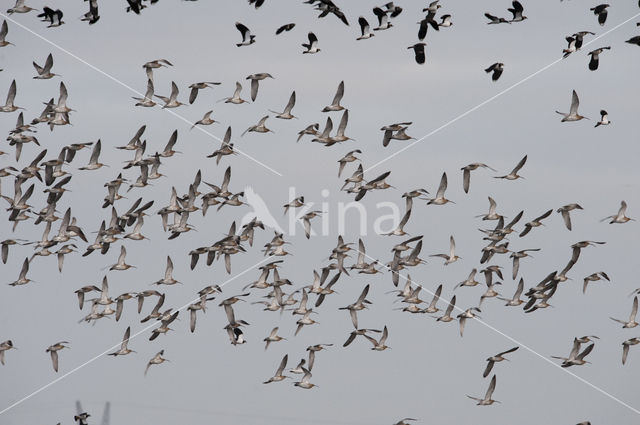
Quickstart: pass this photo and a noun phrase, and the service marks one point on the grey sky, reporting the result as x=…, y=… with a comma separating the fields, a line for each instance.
x=430, y=368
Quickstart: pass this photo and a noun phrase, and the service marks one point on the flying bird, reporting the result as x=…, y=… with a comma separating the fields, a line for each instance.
x=604, y=119
x=247, y=37
x=595, y=57
x=513, y=175
x=573, y=110
x=53, y=16
x=255, y=79
x=466, y=174
x=312, y=46
x=496, y=69
x=199, y=86
x=565, y=210
x=516, y=11
x=601, y=12
x=487, y=400
x=621, y=216
x=285, y=27
x=418, y=50
x=365, y=31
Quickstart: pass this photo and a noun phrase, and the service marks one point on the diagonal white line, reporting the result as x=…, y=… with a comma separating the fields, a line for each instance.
x=143, y=330
x=515, y=341
x=494, y=97
x=125, y=85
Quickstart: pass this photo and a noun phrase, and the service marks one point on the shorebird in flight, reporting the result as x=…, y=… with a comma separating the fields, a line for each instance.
x=573, y=114
x=157, y=359
x=513, y=175
x=621, y=216
x=495, y=359
x=335, y=103
x=379, y=345
x=11, y=95
x=255, y=81
x=286, y=114
x=536, y=222
x=53, y=350
x=466, y=174
x=4, y=30
x=451, y=257
x=279, y=376
x=195, y=87
x=440, y=199
x=631, y=323
x=124, y=349
x=305, y=382
x=44, y=72
x=487, y=400
x=565, y=210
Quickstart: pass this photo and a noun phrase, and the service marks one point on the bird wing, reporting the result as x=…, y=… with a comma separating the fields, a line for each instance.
x=149, y=93
x=385, y=334
x=172, y=141
x=466, y=180
x=363, y=295
x=25, y=270
x=54, y=359
x=364, y=25
x=4, y=30
x=361, y=251
x=12, y=93
x=519, y=289
x=623, y=208
x=443, y=186
x=450, y=307
x=96, y=152
x=545, y=215
x=354, y=318
x=575, y=102
x=511, y=350
x=349, y=340
x=520, y=164
x=492, y=206
x=169, y=270
x=243, y=30
x=48, y=64
x=283, y=364
x=586, y=352
x=625, y=353
x=125, y=340
x=292, y=102
x=340, y=92
x=487, y=370
x=123, y=254
x=492, y=387
x=343, y=123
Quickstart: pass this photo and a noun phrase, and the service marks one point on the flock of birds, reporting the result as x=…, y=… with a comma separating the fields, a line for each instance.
x=52, y=175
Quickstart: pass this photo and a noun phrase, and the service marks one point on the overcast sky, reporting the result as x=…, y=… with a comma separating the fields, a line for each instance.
x=429, y=368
